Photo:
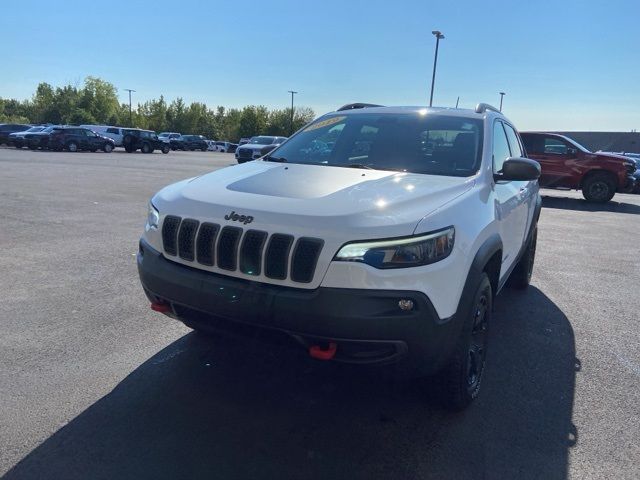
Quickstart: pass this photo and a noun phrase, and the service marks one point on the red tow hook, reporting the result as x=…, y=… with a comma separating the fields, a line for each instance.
x=319, y=353
x=160, y=307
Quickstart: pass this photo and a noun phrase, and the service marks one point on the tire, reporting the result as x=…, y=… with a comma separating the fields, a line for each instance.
x=129, y=149
x=165, y=149
x=107, y=148
x=521, y=276
x=204, y=149
x=18, y=145
x=72, y=147
x=33, y=146
x=146, y=148
x=599, y=187
x=462, y=376
x=93, y=150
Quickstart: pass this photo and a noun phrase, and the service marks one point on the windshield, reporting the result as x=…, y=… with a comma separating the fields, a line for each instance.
x=262, y=140
x=408, y=142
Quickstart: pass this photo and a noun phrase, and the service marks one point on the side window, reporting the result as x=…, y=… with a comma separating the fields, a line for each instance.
x=113, y=130
x=514, y=141
x=554, y=146
x=500, y=147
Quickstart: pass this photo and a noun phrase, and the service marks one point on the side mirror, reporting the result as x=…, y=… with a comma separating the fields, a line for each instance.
x=519, y=169
x=267, y=148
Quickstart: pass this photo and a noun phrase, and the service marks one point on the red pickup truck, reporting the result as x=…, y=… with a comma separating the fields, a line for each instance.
x=567, y=164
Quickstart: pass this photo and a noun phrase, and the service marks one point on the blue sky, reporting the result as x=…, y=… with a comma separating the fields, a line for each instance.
x=565, y=65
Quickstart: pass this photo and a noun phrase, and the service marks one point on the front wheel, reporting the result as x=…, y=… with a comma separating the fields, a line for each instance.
x=146, y=148
x=599, y=187
x=462, y=376
x=107, y=148
x=72, y=147
x=165, y=149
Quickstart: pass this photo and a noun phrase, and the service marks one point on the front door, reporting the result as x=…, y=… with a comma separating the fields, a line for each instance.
x=510, y=202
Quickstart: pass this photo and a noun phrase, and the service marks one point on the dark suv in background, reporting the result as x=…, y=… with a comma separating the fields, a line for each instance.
x=76, y=138
x=189, y=142
x=144, y=140
x=7, y=129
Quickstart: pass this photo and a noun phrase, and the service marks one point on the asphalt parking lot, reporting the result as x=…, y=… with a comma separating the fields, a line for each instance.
x=95, y=385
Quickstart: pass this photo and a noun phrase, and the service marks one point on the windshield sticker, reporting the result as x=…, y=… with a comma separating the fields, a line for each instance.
x=324, y=123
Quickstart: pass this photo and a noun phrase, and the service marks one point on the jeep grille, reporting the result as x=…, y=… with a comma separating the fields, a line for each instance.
x=251, y=252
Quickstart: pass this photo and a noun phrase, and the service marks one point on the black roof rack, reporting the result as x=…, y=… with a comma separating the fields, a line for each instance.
x=353, y=106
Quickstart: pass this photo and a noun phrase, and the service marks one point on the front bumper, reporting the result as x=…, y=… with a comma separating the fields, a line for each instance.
x=367, y=325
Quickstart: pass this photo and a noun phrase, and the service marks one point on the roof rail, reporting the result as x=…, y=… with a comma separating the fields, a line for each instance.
x=483, y=107
x=353, y=106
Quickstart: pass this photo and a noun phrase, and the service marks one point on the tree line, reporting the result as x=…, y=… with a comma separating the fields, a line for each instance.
x=96, y=102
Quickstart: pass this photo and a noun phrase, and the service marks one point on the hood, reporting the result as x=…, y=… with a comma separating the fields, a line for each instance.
x=313, y=200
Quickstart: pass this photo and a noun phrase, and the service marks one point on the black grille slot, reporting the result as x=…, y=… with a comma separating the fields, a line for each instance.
x=277, y=256
x=305, y=257
x=205, y=244
x=170, y=234
x=251, y=252
x=187, y=239
x=228, y=247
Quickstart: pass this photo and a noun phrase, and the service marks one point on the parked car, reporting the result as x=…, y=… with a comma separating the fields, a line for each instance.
x=253, y=149
x=168, y=136
x=74, y=139
x=17, y=139
x=7, y=129
x=36, y=140
x=567, y=164
x=144, y=140
x=244, y=140
x=225, y=147
x=114, y=133
x=189, y=142
x=395, y=256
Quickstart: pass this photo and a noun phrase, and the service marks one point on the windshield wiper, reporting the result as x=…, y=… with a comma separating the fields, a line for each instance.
x=359, y=165
x=269, y=158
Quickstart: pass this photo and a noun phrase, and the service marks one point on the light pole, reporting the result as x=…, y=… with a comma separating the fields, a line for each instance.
x=130, y=116
x=439, y=36
x=502, y=94
x=291, y=123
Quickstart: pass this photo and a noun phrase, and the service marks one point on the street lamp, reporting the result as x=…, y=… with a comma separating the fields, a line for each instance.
x=130, y=116
x=291, y=123
x=439, y=36
x=502, y=94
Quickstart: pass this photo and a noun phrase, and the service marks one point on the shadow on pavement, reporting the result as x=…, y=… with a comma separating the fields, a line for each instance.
x=204, y=408
x=579, y=204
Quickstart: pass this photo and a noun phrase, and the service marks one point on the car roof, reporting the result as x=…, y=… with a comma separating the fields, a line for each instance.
x=418, y=109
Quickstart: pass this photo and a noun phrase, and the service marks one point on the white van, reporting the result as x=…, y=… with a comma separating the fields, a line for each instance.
x=114, y=133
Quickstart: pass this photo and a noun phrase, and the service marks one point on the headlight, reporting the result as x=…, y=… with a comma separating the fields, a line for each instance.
x=401, y=252
x=153, y=217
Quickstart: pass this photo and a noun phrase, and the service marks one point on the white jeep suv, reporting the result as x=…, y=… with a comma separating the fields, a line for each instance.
x=374, y=235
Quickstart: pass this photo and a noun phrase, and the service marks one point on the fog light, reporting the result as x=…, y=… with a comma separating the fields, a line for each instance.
x=405, y=304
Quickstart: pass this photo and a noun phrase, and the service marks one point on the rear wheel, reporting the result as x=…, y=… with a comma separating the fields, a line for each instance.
x=146, y=148
x=18, y=145
x=461, y=378
x=599, y=187
x=204, y=149
x=72, y=146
